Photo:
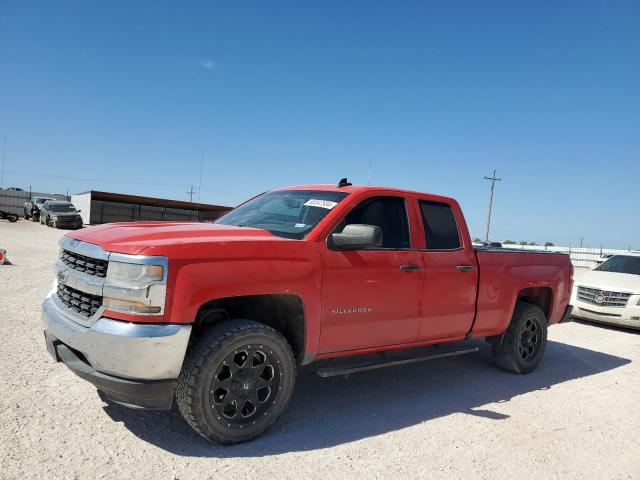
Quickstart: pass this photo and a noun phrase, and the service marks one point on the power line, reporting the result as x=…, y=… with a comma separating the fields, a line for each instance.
x=493, y=184
x=120, y=182
x=92, y=179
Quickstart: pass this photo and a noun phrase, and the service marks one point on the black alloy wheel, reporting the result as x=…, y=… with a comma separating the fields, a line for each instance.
x=244, y=386
x=237, y=379
x=530, y=339
x=521, y=348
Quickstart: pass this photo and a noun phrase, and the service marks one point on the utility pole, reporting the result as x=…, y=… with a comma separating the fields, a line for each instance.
x=191, y=192
x=4, y=154
x=493, y=184
x=199, y=187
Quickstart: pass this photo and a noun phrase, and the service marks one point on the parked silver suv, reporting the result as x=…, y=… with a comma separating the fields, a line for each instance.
x=32, y=208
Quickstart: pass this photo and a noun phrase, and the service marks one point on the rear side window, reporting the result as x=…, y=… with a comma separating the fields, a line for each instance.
x=388, y=213
x=440, y=228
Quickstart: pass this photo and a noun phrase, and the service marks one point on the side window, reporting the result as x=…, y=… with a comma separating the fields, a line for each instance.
x=440, y=228
x=388, y=213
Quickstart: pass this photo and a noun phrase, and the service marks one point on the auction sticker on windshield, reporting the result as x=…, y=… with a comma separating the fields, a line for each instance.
x=320, y=203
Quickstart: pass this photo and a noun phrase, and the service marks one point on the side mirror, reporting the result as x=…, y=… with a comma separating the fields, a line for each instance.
x=78, y=211
x=357, y=236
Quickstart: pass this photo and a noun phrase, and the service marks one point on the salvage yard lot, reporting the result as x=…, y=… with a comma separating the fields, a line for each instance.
x=577, y=416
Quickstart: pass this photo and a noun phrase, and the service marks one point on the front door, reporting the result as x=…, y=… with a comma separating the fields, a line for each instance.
x=372, y=297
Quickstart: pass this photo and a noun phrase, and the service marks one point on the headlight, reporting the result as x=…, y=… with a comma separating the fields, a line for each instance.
x=54, y=217
x=133, y=274
x=128, y=306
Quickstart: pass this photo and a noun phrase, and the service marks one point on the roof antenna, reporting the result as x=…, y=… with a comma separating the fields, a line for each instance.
x=344, y=183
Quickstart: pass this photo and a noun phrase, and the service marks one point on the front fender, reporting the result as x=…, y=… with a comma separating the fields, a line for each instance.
x=294, y=269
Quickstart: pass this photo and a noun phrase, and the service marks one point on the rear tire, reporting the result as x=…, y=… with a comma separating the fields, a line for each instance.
x=524, y=342
x=12, y=217
x=236, y=380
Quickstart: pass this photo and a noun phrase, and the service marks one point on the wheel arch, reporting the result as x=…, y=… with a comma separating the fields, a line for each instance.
x=540, y=296
x=283, y=312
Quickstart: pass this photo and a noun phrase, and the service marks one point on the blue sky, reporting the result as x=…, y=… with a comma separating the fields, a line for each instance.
x=125, y=96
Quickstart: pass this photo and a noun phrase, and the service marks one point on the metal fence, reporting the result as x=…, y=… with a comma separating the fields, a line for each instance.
x=580, y=256
x=12, y=201
x=106, y=212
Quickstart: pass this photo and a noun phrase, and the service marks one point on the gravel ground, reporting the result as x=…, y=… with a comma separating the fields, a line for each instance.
x=577, y=416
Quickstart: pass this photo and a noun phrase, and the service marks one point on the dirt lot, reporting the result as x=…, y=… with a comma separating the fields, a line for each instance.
x=578, y=416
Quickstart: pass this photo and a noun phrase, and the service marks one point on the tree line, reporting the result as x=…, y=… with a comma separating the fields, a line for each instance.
x=522, y=242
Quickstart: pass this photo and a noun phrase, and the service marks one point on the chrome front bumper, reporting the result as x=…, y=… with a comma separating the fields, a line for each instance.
x=122, y=349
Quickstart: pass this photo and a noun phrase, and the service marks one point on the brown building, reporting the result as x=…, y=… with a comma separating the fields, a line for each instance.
x=106, y=207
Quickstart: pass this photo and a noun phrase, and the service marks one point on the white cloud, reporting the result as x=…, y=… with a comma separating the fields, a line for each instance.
x=208, y=64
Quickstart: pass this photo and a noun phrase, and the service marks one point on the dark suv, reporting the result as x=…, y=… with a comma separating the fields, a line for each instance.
x=60, y=214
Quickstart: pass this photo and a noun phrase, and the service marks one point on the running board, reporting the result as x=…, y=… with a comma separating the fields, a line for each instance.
x=386, y=359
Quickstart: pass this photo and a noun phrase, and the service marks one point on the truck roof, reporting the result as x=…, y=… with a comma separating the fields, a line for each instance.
x=361, y=188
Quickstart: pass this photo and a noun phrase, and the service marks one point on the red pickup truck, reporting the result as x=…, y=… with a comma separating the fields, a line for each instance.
x=219, y=316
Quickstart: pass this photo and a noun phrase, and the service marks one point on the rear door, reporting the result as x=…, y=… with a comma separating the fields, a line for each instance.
x=450, y=270
x=371, y=297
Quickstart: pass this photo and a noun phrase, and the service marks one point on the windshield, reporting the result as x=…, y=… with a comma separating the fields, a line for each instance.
x=286, y=213
x=61, y=207
x=621, y=264
x=41, y=199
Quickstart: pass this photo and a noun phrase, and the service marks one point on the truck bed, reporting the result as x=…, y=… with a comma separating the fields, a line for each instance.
x=501, y=275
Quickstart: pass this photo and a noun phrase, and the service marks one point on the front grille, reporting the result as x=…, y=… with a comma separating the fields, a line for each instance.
x=80, y=302
x=88, y=265
x=67, y=220
x=603, y=298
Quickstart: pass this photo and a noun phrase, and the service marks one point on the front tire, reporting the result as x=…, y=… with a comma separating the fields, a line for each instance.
x=524, y=343
x=236, y=380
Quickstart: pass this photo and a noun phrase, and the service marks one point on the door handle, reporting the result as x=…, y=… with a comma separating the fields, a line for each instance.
x=464, y=268
x=411, y=267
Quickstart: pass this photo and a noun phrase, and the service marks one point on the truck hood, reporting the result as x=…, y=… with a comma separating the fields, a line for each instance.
x=610, y=281
x=134, y=237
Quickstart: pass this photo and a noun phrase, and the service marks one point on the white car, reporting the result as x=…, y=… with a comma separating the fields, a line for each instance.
x=610, y=293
